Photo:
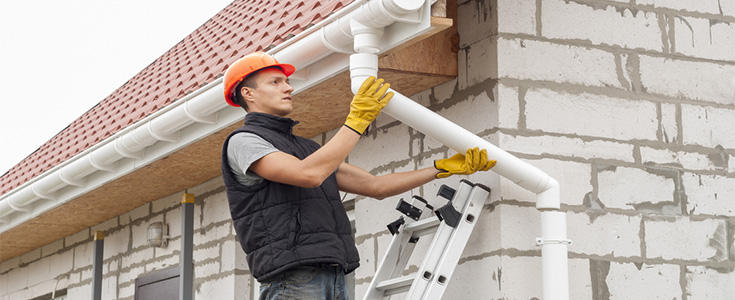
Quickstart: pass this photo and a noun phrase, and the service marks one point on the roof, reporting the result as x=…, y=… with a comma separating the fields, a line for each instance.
x=198, y=59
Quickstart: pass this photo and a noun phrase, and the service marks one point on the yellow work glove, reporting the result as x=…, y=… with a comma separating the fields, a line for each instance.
x=367, y=104
x=475, y=160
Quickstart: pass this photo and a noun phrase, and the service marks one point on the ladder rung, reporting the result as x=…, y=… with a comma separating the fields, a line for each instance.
x=395, y=285
x=422, y=227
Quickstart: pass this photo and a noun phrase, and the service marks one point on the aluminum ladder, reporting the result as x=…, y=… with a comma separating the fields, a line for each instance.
x=451, y=224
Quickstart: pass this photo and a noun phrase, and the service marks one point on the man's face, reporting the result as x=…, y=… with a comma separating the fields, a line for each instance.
x=272, y=94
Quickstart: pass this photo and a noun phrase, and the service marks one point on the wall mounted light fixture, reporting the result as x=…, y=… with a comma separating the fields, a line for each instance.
x=158, y=234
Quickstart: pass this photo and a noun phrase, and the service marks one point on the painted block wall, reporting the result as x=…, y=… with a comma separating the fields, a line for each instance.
x=220, y=270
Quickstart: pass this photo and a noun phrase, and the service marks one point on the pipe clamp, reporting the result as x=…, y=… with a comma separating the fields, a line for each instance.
x=542, y=241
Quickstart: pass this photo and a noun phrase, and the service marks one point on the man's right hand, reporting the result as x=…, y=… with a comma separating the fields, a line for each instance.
x=367, y=104
x=475, y=160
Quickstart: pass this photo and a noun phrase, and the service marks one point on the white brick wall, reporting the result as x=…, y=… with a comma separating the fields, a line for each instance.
x=624, y=188
x=710, y=194
x=496, y=277
x=604, y=235
x=206, y=269
x=137, y=256
x=507, y=227
x=221, y=288
x=600, y=116
x=669, y=124
x=83, y=255
x=475, y=114
x=567, y=147
x=77, y=237
x=609, y=26
x=687, y=160
x=517, y=17
x=727, y=7
x=708, y=126
x=116, y=242
x=702, y=6
x=704, y=81
x=375, y=152
x=645, y=281
x=698, y=37
x=217, y=208
x=705, y=283
x=508, y=106
x=475, y=62
x=535, y=60
x=685, y=239
x=475, y=23
x=580, y=286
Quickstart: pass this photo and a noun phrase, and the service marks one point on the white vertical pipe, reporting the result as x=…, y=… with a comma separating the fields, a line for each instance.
x=554, y=255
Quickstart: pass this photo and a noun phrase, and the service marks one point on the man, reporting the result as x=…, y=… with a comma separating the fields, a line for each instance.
x=283, y=189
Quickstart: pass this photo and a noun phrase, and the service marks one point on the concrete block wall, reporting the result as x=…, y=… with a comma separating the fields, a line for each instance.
x=629, y=104
x=220, y=270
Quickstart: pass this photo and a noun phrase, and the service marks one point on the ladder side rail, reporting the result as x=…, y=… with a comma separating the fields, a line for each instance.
x=438, y=245
x=385, y=268
x=457, y=243
x=397, y=255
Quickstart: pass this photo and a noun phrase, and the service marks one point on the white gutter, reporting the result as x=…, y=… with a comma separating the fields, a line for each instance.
x=368, y=27
x=199, y=114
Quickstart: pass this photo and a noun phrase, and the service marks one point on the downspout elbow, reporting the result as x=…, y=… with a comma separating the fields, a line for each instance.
x=550, y=197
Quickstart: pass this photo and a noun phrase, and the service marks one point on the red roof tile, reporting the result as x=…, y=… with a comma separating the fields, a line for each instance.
x=242, y=27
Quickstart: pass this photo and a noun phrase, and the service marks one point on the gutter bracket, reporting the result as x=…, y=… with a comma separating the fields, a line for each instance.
x=41, y=194
x=70, y=181
x=171, y=138
x=101, y=167
x=18, y=208
x=209, y=119
x=125, y=152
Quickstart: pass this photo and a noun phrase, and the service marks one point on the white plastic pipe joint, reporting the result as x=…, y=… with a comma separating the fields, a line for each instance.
x=362, y=66
x=366, y=38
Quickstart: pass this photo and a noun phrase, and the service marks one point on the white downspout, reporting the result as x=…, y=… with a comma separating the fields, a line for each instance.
x=553, y=239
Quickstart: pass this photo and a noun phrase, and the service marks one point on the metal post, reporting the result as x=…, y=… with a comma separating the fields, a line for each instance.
x=186, y=264
x=99, y=243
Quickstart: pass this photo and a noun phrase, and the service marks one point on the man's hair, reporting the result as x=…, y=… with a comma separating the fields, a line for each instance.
x=251, y=82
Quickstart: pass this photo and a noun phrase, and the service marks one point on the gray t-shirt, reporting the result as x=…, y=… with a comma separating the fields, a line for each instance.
x=244, y=149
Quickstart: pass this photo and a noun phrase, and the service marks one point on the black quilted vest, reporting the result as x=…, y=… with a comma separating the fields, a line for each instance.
x=282, y=226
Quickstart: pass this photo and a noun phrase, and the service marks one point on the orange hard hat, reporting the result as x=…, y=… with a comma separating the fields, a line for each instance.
x=246, y=66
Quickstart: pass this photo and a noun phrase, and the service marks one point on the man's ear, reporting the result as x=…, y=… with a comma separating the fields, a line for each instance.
x=247, y=94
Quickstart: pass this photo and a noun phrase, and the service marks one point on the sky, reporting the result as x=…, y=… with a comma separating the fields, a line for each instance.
x=59, y=58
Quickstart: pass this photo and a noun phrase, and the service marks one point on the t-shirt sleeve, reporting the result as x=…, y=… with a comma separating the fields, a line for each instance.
x=243, y=150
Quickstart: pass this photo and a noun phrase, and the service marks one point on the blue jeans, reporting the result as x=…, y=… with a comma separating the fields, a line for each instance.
x=306, y=282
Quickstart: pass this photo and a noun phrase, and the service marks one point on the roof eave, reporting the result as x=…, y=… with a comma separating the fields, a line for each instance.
x=194, y=117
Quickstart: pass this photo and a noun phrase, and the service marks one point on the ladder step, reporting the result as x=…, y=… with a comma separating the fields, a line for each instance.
x=423, y=227
x=395, y=285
